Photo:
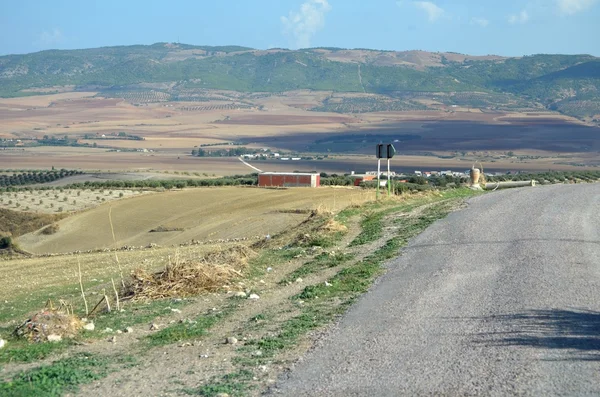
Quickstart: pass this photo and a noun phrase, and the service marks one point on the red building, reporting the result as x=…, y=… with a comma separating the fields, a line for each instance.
x=288, y=179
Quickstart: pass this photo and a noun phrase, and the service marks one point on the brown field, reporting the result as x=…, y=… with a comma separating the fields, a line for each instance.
x=200, y=214
x=282, y=123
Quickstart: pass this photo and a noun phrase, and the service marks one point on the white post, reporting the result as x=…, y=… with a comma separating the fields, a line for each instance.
x=378, y=176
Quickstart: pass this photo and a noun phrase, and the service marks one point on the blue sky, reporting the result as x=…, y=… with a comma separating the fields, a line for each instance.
x=479, y=27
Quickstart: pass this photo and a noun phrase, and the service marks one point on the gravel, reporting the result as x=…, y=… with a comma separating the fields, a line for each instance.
x=501, y=298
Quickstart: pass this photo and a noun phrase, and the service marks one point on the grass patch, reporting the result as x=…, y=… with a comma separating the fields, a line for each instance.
x=61, y=376
x=19, y=350
x=234, y=384
x=322, y=261
x=138, y=313
x=183, y=331
x=258, y=266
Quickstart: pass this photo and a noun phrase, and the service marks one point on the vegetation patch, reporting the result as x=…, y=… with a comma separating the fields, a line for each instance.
x=18, y=223
x=162, y=229
x=188, y=329
x=62, y=376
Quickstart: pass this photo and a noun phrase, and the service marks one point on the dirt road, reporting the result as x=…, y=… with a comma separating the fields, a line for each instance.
x=498, y=299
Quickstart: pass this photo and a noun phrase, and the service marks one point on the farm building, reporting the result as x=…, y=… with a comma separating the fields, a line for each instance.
x=289, y=179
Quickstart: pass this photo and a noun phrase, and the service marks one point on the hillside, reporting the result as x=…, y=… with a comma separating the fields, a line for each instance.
x=568, y=83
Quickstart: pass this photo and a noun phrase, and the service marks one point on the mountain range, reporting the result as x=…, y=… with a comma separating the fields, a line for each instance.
x=566, y=83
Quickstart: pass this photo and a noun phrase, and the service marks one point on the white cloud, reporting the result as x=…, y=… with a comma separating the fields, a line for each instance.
x=51, y=37
x=480, y=21
x=570, y=7
x=433, y=11
x=304, y=24
x=521, y=17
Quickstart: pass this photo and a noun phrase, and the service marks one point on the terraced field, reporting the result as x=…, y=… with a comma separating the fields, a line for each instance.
x=197, y=214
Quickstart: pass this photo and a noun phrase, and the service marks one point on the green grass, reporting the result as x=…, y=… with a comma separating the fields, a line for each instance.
x=322, y=261
x=62, y=376
x=184, y=331
x=234, y=384
x=138, y=313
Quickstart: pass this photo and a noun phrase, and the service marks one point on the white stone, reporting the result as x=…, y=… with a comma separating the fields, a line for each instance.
x=240, y=294
x=112, y=339
x=299, y=280
x=327, y=284
x=153, y=327
x=89, y=327
x=54, y=338
x=107, y=330
x=176, y=310
x=231, y=340
x=254, y=297
x=128, y=330
x=2, y=343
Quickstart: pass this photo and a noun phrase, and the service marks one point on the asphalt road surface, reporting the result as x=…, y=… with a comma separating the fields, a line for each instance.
x=502, y=298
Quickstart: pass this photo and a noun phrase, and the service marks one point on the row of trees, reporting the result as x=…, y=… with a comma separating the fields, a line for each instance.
x=33, y=177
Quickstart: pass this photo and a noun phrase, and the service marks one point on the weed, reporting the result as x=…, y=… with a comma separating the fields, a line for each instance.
x=188, y=330
x=60, y=376
x=234, y=384
x=322, y=261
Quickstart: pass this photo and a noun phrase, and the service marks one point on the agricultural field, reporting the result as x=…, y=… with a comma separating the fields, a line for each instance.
x=177, y=217
x=62, y=200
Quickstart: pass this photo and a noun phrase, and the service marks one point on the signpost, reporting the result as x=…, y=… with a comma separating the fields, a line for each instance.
x=384, y=151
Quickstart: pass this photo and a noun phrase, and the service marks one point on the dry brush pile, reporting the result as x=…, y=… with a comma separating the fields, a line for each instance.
x=211, y=272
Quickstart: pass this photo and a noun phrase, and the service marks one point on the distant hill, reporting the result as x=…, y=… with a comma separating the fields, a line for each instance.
x=568, y=83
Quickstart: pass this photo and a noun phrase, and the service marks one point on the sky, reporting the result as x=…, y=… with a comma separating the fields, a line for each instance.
x=476, y=27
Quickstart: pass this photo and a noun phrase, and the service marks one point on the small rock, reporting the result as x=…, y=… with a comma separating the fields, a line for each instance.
x=185, y=344
x=153, y=327
x=257, y=353
x=299, y=280
x=176, y=310
x=2, y=343
x=263, y=368
x=112, y=339
x=269, y=269
x=327, y=284
x=128, y=330
x=89, y=327
x=204, y=356
x=119, y=331
x=262, y=281
x=54, y=338
x=107, y=331
x=240, y=294
x=254, y=297
x=222, y=395
x=231, y=340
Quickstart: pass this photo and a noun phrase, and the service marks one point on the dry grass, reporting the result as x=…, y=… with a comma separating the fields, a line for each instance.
x=212, y=272
x=17, y=223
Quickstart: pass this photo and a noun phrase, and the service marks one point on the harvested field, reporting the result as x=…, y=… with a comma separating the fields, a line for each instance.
x=202, y=214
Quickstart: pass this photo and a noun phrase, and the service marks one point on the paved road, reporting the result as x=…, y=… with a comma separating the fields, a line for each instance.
x=502, y=298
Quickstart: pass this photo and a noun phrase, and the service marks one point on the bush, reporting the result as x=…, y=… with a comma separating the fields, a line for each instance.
x=5, y=242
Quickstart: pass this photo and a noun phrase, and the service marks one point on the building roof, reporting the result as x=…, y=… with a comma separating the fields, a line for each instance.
x=290, y=173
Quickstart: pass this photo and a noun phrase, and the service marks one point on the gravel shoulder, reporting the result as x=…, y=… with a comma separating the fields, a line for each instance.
x=498, y=299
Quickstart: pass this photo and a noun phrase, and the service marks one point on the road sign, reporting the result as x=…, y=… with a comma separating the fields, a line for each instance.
x=385, y=151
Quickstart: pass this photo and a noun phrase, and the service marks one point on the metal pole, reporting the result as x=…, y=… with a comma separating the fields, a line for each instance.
x=378, y=176
x=389, y=180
